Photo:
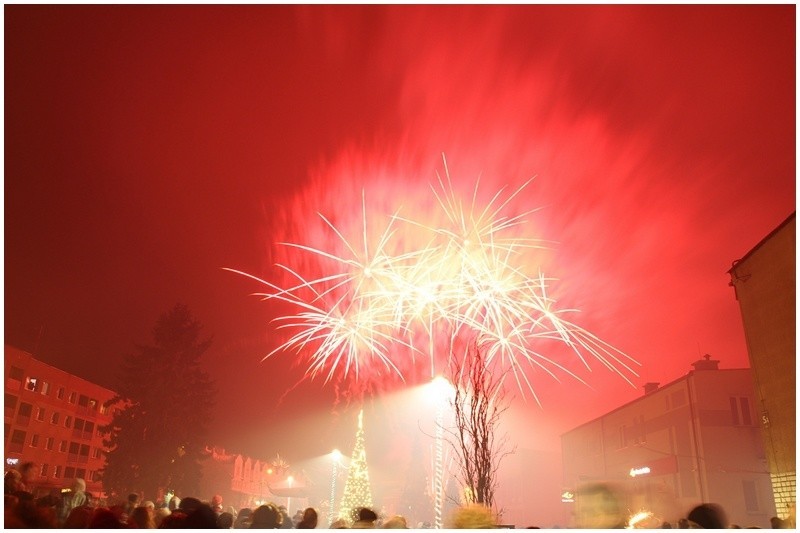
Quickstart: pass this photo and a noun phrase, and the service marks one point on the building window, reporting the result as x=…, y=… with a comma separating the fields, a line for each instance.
x=57, y=471
x=10, y=405
x=95, y=475
x=60, y=393
x=54, y=417
x=97, y=453
x=45, y=388
x=740, y=411
x=40, y=414
x=43, y=470
x=72, y=397
x=32, y=384
x=92, y=404
x=67, y=421
x=750, y=496
x=34, y=441
x=16, y=374
x=69, y=472
x=24, y=413
x=49, y=443
x=62, y=447
x=83, y=400
x=17, y=440
x=81, y=473
x=103, y=409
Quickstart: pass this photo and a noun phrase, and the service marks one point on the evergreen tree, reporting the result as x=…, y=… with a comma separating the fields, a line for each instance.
x=357, y=493
x=164, y=400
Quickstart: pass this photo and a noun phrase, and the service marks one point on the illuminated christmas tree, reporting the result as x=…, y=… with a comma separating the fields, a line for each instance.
x=357, y=493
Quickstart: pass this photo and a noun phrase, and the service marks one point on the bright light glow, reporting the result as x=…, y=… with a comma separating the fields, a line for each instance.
x=567, y=497
x=441, y=388
x=639, y=471
x=638, y=518
x=336, y=455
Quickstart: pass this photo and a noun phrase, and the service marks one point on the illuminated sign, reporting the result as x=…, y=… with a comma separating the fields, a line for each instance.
x=640, y=471
x=567, y=497
x=12, y=461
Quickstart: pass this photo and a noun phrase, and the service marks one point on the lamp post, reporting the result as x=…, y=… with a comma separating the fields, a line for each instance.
x=290, y=479
x=336, y=455
x=441, y=389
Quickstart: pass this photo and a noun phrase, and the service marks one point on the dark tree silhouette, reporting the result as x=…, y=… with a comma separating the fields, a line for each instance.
x=478, y=404
x=161, y=412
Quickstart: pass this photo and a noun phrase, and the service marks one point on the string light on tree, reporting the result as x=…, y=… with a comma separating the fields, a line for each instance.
x=357, y=491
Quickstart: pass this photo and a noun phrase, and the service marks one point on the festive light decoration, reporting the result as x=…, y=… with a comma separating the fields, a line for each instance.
x=357, y=493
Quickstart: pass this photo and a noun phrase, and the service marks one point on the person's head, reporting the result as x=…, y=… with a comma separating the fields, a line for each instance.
x=365, y=514
x=201, y=517
x=309, y=519
x=142, y=518
x=266, y=517
x=189, y=504
x=28, y=473
x=105, y=519
x=79, y=518
x=78, y=485
x=225, y=520
x=12, y=481
x=709, y=516
x=598, y=506
x=133, y=498
x=396, y=522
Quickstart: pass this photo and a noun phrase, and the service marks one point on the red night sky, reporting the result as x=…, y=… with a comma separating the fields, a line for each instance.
x=148, y=147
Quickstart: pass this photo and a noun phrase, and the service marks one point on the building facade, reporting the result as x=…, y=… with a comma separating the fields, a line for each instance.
x=51, y=419
x=693, y=440
x=764, y=284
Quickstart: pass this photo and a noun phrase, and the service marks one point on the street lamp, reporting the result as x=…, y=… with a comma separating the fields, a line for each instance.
x=441, y=389
x=336, y=456
x=290, y=479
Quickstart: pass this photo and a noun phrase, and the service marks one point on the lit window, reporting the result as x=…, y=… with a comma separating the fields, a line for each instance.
x=93, y=404
x=31, y=383
x=45, y=388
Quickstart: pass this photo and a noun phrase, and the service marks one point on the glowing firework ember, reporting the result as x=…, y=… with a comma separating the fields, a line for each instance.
x=383, y=296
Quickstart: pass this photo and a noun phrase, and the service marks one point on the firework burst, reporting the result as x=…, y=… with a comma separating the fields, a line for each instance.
x=385, y=299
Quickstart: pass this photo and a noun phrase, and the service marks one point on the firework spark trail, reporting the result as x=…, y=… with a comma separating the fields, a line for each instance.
x=454, y=280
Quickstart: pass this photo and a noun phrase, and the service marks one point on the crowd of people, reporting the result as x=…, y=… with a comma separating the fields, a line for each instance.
x=596, y=507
